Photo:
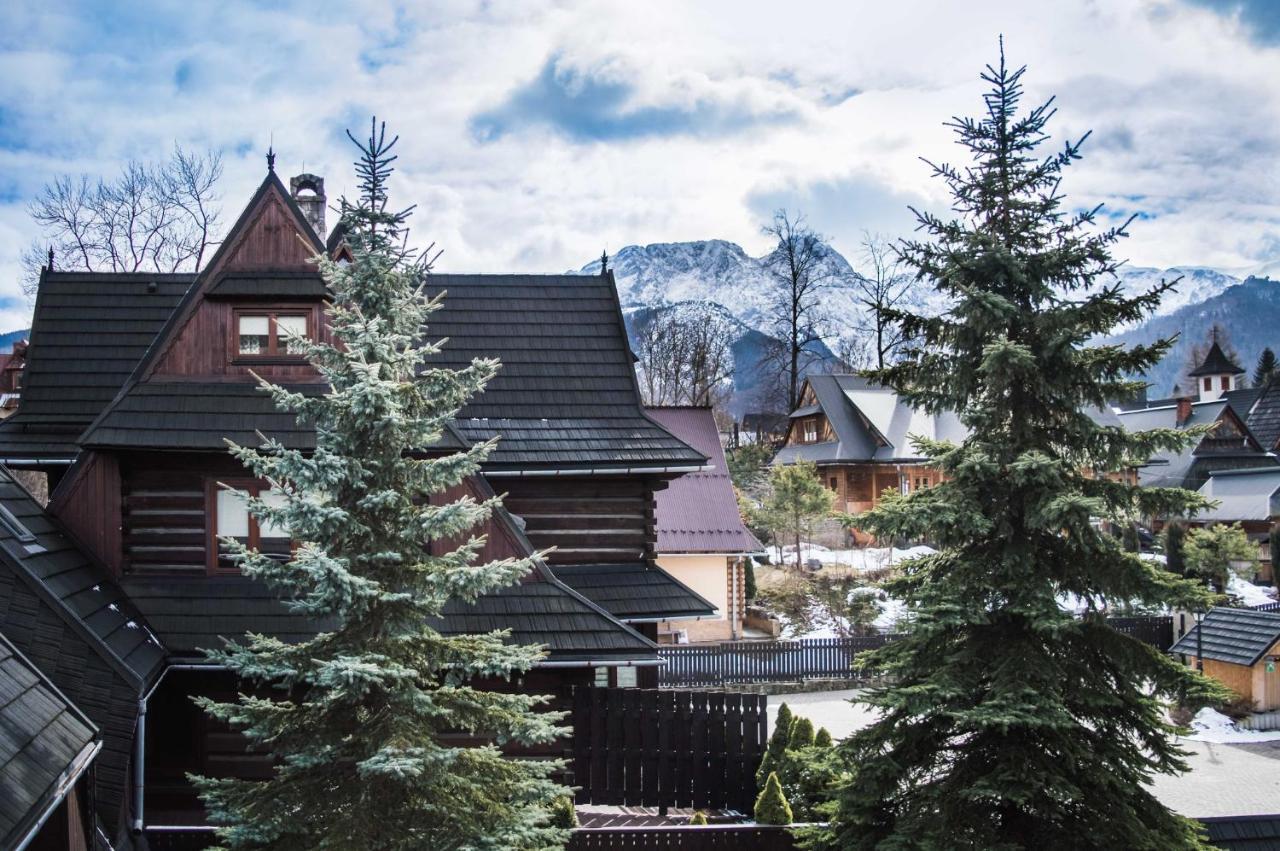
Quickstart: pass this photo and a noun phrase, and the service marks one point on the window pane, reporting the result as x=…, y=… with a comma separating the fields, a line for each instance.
x=274, y=499
x=233, y=515
x=287, y=325
x=626, y=677
x=253, y=335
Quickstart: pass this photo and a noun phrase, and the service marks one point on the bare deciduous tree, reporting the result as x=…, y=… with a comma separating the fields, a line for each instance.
x=685, y=355
x=800, y=277
x=158, y=217
x=882, y=286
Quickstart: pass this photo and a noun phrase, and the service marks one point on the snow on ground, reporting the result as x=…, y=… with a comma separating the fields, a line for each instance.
x=1250, y=595
x=860, y=560
x=1210, y=725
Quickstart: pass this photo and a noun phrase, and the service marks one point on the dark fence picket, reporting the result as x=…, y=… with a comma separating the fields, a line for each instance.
x=744, y=662
x=717, y=837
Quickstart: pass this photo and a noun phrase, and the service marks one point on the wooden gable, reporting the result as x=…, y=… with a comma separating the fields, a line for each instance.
x=270, y=239
x=1229, y=433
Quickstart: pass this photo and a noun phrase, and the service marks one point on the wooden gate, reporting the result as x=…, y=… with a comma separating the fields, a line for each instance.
x=667, y=748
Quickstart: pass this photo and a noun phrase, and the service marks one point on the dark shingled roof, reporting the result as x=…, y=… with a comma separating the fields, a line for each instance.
x=698, y=512
x=1238, y=636
x=192, y=614
x=45, y=743
x=566, y=395
x=634, y=592
x=1216, y=362
x=88, y=332
x=1259, y=407
x=74, y=585
x=269, y=284
x=1244, y=833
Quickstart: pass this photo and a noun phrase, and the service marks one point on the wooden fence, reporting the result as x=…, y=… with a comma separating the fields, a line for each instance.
x=714, y=837
x=763, y=661
x=668, y=748
x=740, y=662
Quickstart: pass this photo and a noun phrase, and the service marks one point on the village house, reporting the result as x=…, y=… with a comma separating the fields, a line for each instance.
x=1220, y=402
x=133, y=381
x=1241, y=650
x=856, y=433
x=1251, y=498
x=702, y=541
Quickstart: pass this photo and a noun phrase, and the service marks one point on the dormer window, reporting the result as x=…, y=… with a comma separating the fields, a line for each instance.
x=271, y=334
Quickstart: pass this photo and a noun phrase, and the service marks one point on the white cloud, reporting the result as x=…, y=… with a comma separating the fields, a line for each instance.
x=756, y=104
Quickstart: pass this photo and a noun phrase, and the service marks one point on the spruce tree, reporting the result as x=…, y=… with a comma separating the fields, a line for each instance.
x=777, y=746
x=1006, y=721
x=771, y=804
x=359, y=717
x=1265, y=369
x=1175, y=535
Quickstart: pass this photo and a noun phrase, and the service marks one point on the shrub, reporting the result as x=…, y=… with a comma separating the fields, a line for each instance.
x=771, y=806
x=563, y=814
x=822, y=739
x=1237, y=708
x=777, y=744
x=801, y=735
x=698, y=818
x=749, y=579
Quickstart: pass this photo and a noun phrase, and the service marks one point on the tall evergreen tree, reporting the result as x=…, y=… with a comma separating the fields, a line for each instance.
x=1265, y=369
x=358, y=715
x=1008, y=722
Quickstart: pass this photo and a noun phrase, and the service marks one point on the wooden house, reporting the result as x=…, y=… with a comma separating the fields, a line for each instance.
x=1241, y=650
x=1251, y=498
x=702, y=540
x=856, y=433
x=133, y=382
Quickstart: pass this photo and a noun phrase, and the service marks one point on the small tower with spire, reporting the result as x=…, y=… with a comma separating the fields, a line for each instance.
x=1218, y=374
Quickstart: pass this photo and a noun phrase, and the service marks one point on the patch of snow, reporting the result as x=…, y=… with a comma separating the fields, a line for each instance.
x=1210, y=725
x=1250, y=595
x=861, y=560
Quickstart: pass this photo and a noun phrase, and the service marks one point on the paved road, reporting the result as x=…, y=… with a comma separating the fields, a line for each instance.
x=1225, y=780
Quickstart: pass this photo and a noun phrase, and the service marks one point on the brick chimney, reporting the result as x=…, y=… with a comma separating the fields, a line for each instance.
x=1184, y=410
x=308, y=191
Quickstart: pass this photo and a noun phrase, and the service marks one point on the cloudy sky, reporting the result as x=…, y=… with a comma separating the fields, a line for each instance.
x=536, y=134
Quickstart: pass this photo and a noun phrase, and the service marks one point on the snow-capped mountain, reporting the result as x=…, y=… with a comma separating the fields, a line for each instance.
x=653, y=278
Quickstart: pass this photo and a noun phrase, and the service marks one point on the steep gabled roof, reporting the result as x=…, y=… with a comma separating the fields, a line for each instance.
x=1248, y=494
x=1190, y=466
x=88, y=332
x=1216, y=362
x=566, y=396
x=1238, y=636
x=870, y=422
x=1259, y=407
x=698, y=512
x=46, y=743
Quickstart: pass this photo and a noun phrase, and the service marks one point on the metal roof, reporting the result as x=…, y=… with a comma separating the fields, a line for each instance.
x=1238, y=636
x=698, y=512
x=45, y=744
x=1249, y=494
x=870, y=422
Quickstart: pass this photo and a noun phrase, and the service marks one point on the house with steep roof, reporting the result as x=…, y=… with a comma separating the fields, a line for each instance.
x=1218, y=402
x=1240, y=649
x=702, y=540
x=858, y=435
x=134, y=381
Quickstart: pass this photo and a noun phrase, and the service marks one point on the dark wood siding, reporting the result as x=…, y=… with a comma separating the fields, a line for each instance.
x=203, y=346
x=89, y=507
x=499, y=543
x=164, y=524
x=588, y=520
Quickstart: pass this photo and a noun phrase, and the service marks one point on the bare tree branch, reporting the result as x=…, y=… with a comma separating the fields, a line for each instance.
x=159, y=216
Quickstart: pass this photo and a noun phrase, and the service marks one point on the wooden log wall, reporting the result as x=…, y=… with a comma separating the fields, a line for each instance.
x=164, y=522
x=593, y=520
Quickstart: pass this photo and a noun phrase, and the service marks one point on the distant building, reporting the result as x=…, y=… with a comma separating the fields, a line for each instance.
x=702, y=540
x=1218, y=401
x=11, y=371
x=1241, y=650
